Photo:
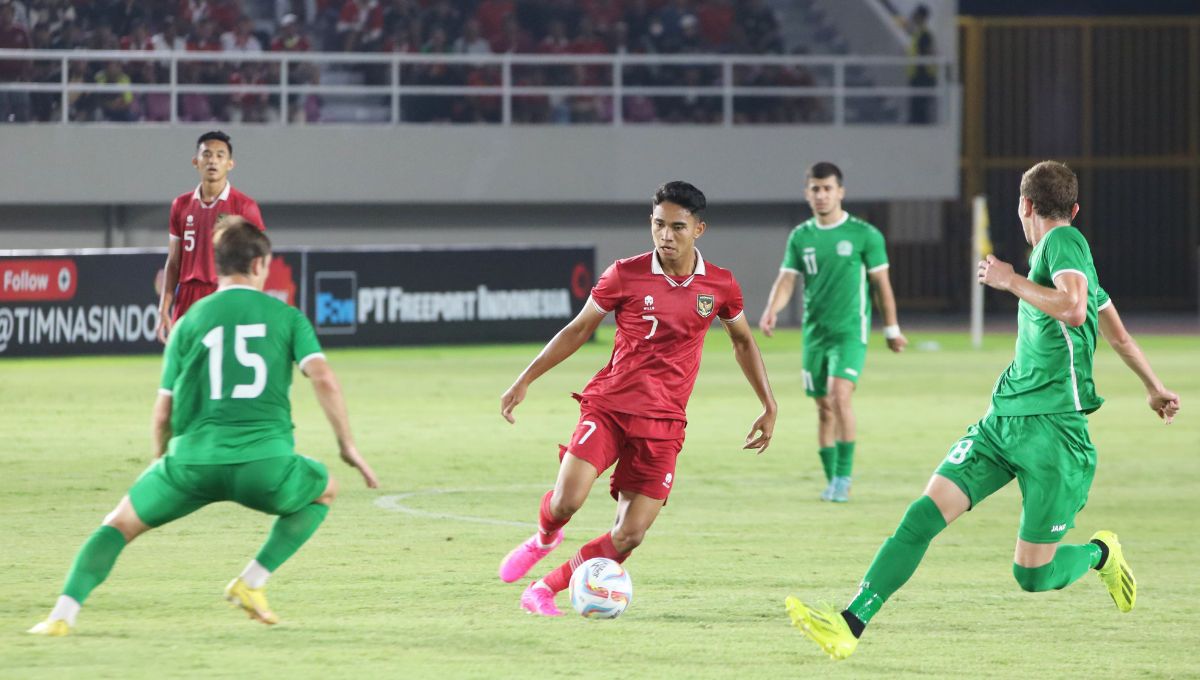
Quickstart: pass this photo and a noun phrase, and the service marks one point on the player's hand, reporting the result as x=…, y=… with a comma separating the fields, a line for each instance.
x=898, y=343
x=767, y=323
x=352, y=458
x=1165, y=403
x=164, y=327
x=995, y=272
x=510, y=399
x=763, y=427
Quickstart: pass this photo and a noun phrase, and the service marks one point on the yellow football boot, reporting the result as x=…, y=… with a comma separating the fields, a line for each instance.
x=1115, y=573
x=824, y=626
x=51, y=628
x=251, y=600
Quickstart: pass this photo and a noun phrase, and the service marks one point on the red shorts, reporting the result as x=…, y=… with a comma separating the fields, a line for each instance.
x=644, y=449
x=188, y=294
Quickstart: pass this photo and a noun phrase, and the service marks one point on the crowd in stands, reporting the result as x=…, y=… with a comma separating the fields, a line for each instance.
x=551, y=27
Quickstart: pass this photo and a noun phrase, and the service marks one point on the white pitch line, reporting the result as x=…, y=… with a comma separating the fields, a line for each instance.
x=393, y=503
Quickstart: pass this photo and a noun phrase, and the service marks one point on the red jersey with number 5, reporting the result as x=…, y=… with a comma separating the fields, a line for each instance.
x=661, y=324
x=192, y=222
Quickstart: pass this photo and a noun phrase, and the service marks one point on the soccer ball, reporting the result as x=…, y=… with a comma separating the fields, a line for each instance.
x=600, y=589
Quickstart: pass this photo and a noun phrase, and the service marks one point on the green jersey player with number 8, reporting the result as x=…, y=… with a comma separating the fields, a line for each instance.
x=223, y=429
x=1035, y=430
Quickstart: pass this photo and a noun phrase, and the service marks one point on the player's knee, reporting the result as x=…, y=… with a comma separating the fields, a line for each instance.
x=825, y=409
x=565, y=505
x=626, y=539
x=1032, y=580
x=330, y=492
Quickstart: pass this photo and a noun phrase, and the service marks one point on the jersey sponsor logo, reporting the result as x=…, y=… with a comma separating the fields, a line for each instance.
x=38, y=279
x=190, y=220
x=1058, y=528
x=704, y=305
x=336, y=303
x=667, y=482
x=845, y=248
x=649, y=300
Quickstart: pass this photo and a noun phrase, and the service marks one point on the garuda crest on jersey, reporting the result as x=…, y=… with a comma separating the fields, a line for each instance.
x=704, y=305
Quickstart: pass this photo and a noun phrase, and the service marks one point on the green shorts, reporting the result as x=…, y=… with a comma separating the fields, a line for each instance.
x=281, y=485
x=1050, y=455
x=825, y=359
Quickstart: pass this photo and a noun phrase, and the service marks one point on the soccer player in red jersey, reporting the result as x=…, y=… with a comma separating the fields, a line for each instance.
x=189, y=252
x=633, y=412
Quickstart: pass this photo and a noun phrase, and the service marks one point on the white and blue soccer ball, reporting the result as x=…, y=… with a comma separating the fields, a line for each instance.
x=600, y=589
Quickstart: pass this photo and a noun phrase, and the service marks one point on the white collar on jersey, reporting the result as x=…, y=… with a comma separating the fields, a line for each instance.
x=237, y=286
x=221, y=197
x=845, y=216
x=656, y=268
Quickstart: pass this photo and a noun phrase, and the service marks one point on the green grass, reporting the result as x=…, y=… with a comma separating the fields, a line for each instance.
x=381, y=593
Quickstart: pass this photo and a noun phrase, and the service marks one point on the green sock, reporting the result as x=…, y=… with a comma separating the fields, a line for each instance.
x=93, y=562
x=289, y=533
x=845, y=459
x=897, y=558
x=828, y=461
x=1069, y=563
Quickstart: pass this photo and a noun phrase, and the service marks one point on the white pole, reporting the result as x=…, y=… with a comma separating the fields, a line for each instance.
x=980, y=247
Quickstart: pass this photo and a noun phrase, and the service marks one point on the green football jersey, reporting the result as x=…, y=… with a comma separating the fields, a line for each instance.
x=834, y=262
x=1051, y=371
x=228, y=369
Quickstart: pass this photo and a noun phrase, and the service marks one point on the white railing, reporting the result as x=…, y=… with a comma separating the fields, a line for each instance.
x=829, y=74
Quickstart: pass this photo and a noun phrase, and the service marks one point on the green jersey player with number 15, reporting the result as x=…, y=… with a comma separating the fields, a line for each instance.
x=223, y=429
x=842, y=261
x=1035, y=430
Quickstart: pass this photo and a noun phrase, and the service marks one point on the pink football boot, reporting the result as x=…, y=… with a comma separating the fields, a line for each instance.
x=522, y=558
x=539, y=601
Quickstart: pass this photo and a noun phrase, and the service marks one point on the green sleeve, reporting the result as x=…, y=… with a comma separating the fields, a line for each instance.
x=875, y=251
x=171, y=358
x=1066, y=250
x=304, y=338
x=791, y=254
x=1102, y=299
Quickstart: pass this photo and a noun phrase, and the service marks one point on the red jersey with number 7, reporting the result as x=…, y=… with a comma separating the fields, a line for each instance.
x=192, y=222
x=661, y=324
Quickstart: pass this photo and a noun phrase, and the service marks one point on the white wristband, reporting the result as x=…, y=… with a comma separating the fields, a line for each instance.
x=891, y=332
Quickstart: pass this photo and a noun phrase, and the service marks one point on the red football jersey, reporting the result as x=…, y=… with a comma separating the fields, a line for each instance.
x=192, y=222
x=661, y=323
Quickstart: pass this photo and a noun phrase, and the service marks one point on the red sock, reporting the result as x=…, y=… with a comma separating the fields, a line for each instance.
x=548, y=526
x=560, y=578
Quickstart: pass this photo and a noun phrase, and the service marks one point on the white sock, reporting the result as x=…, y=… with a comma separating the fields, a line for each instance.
x=255, y=575
x=66, y=609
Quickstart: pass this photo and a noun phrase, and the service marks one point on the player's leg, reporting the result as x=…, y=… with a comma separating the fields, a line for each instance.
x=846, y=361
x=592, y=449
x=971, y=472
x=296, y=488
x=1056, y=473
x=156, y=498
x=641, y=483
x=815, y=363
x=841, y=392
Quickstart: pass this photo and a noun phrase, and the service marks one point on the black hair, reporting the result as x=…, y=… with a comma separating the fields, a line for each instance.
x=921, y=13
x=822, y=170
x=683, y=195
x=215, y=135
x=236, y=243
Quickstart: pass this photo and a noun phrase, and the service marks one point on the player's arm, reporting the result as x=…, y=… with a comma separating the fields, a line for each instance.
x=1162, y=401
x=170, y=280
x=745, y=350
x=781, y=293
x=160, y=422
x=563, y=345
x=1066, y=301
x=881, y=287
x=329, y=396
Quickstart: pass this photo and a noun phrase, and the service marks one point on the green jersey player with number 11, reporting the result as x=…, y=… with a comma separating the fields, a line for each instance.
x=1035, y=430
x=223, y=429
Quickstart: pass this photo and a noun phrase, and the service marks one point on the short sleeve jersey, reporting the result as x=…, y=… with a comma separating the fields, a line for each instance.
x=228, y=368
x=192, y=221
x=1052, y=369
x=661, y=324
x=834, y=262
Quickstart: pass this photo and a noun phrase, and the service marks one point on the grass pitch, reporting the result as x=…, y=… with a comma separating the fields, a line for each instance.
x=401, y=582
